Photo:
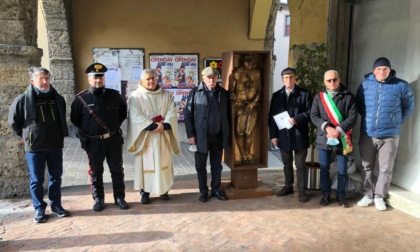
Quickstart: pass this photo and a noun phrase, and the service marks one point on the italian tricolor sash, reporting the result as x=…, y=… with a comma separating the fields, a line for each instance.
x=336, y=118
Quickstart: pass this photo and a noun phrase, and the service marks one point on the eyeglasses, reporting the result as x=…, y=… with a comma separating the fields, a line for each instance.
x=333, y=80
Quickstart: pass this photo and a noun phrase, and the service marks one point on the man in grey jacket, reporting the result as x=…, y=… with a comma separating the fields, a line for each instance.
x=384, y=103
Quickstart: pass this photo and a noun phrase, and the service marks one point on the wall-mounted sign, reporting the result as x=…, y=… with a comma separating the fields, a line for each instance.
x=215, y=63
x=178, y=73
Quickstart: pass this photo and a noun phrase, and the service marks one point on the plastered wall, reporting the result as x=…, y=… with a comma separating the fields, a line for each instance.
x=190, y=26
x=304, y=12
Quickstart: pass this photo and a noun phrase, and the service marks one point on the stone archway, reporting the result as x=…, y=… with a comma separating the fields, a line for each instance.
x=19, y=51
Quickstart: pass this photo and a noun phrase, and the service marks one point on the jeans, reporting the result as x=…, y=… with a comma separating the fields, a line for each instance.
x=324, y=162
x=216, y=150
x=36, y=165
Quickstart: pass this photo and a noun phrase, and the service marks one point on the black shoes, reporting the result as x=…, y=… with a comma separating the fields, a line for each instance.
x=342, y=201
x=303, y=197
x=60, y=211
x=99, y=205
x=145, y=197
x=40, y=216
x=203, y=197
x=165, y=196
x=325, y=200
x=121, y=203
x=219, y=195
x=285, y=191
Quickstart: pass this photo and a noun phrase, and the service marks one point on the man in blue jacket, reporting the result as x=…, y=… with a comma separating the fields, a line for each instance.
x=295, y=140
x=384, y=103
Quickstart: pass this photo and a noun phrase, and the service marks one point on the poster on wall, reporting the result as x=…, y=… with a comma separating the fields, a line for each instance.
x=124, y=67
x=214, y=63
x=177, y=73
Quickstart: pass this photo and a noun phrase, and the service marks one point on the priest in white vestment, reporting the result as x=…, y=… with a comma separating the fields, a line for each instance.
x=152, y=136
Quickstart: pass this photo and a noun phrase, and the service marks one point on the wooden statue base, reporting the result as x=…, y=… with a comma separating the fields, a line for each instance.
x=262, y=190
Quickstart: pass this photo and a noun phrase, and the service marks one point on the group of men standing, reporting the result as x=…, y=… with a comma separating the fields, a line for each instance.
x=383, y=101
x=39, y=117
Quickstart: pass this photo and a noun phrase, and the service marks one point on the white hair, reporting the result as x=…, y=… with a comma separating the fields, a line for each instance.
x=146, y=71
x=332, y=71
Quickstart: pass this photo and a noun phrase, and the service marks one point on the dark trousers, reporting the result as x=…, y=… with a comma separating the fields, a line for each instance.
x=96, y=170
x=36, y=165
x=287, y=158
x=215, y=149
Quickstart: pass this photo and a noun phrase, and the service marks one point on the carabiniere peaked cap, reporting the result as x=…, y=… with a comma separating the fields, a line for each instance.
x=96, y=70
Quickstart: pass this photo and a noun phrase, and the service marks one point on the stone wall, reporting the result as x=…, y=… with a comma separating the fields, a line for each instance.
x=18, y=52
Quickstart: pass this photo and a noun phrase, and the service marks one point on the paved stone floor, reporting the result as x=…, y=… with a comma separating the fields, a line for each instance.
x=185, y=224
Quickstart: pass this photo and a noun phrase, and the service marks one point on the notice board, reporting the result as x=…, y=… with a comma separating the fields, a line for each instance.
x=124, y=67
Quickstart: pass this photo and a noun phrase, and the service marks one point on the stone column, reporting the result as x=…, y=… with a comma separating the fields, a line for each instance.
x=339, y=26
x=57, y=16
x=18, y=51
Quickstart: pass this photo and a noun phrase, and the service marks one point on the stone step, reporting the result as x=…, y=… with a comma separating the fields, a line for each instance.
x=398, y=198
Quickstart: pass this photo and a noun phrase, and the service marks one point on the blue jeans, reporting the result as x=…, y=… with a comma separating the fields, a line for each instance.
x=36, y=165
x=324, y=162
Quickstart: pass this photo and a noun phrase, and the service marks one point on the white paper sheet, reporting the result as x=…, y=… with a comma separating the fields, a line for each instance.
x=282, y=120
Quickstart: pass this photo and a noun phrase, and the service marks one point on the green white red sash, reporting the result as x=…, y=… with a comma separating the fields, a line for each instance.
x=336, y=118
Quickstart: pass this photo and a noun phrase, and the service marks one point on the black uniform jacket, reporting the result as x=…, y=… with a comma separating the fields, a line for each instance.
x=109, y=107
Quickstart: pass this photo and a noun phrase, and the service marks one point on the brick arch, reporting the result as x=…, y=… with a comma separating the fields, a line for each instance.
x=57, y=20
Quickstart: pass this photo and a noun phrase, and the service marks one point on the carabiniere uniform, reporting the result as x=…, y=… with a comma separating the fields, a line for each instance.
x=111, y=109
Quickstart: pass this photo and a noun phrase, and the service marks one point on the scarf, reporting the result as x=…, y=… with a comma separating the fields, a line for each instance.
x=30, y=108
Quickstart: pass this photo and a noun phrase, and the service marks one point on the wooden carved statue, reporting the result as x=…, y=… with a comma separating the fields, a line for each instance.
x=246, y=100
